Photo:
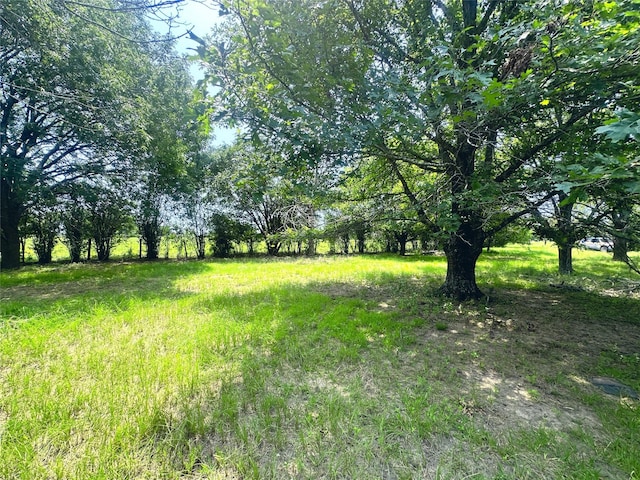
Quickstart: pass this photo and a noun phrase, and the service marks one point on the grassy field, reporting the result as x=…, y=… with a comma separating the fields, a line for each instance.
x=330, y=367
x=128, y=249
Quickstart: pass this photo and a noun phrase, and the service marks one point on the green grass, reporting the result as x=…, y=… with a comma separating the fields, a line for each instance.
x=128, y=249
x=332, y=367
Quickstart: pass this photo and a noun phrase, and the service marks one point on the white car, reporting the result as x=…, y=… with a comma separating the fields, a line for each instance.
x=596, y=243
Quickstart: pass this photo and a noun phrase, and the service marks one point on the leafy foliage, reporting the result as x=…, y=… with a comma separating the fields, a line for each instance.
x=85, y=94
x=480, y=94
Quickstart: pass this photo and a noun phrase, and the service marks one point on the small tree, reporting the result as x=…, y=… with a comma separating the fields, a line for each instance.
x=398, y=233
x=43, y=224
x=75, y=222
x=149, y=225
x=108, y=216
x=559, y=225
x=259, y=194
x=222, y=236
x=226, y=231
x=199, y=212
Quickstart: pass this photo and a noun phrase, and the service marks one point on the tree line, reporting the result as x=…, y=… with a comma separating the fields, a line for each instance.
x=482, y=112
x=240, y=200
x=95, y=108
x=460, y=123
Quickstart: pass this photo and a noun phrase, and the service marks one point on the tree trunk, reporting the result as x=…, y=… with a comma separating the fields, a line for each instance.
x=10, y=244
x=273, y=247
x=201, y=243
x=489, y=244
x=103, y=249
x=44, y=253
x=464, y=246
x=620, y=218
x=402, y=239
x=565, y=259
x=566, y=236
x=361, y=233
x=150, y=233
x=23, y=248
x=463, y=250
x=620, y=249
x=44, y=240
x=311, y=247
x=10, y=212
x=153, y=249
x=345, y=243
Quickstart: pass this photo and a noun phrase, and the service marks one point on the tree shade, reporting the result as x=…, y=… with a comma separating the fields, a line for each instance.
x=481, y=94
x=81, y=99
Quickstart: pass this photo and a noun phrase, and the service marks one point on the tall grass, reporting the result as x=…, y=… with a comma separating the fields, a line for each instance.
x=295, y=368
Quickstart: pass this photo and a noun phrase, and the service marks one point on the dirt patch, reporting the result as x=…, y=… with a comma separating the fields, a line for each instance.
x=509, y=403
x=518, y=360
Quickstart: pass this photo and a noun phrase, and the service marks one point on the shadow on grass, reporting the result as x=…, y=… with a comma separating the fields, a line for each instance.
x=68, y=290
x=315, y=387
x=355, y=378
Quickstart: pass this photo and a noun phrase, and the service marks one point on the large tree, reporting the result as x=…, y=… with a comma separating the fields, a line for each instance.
x=475, y=91
x=75, y=92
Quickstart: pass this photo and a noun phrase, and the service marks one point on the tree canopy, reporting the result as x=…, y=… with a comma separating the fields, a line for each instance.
x=443, y=120
x=85, y=93
x=481, y=93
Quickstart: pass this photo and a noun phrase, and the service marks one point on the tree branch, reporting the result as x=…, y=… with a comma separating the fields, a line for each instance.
x=487, y=15
x=134, y=6
x=425, y=163
x=270, y=71
x=532, y=151
x=531, y=208
x=422, y=215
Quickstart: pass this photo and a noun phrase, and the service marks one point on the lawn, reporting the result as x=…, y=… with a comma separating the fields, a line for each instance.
x=327, y=367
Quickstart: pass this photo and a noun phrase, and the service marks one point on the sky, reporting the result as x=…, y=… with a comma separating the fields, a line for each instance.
x=199, y=17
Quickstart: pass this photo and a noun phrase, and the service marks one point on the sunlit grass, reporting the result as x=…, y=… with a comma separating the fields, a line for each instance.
x=331, y=367
x=536, y=264
x=128, y=249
